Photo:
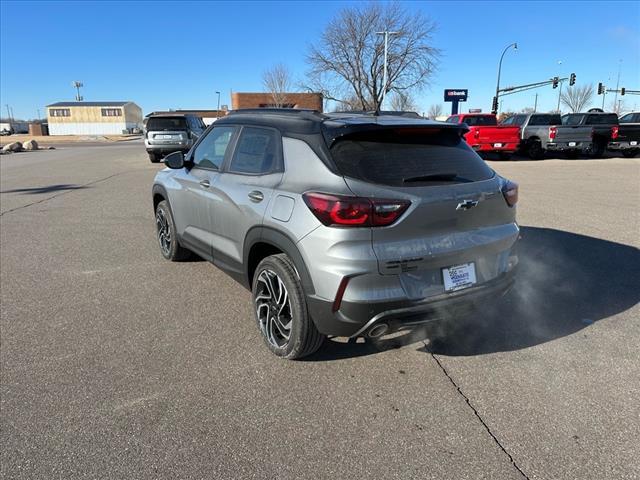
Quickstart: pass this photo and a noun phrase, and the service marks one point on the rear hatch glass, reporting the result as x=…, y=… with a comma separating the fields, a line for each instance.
x=160, y=124
x=409, y=157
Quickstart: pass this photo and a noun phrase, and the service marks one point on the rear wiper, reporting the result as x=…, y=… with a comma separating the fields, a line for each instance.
x=435, y=177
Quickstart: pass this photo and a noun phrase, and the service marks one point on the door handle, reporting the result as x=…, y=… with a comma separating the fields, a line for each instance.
x=205, y=183
x=256, y=196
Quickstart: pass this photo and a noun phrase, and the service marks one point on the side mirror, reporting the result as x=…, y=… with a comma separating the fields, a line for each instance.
x=174, y=160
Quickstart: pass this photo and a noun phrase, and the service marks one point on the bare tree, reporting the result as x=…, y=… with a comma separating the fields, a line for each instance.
x=277, y=81
x=403, y=102
x=348, y=60
x=527, y=110
x=435, y=111
x=577, y=98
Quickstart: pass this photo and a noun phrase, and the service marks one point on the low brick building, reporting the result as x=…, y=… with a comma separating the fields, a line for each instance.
x=311, y=101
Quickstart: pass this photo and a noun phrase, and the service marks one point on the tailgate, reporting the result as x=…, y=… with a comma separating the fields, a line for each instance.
x=436, y=232
x=566, y=133
x=496, y=134
x=167, y=137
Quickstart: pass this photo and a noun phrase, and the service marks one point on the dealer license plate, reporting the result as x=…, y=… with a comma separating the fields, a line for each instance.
x=633, y=143
x=572, y=144
x=497, y=145
x=167, y=137
x=459, y=277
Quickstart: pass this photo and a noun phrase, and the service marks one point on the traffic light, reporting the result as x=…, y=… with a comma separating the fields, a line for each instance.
x=494, y=105
x=572, y=79
x=555, y=82
x=600, y=88
x=623, y=91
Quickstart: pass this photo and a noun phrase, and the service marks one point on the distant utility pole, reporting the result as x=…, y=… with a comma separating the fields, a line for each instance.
x=39, y=117
x=386, y=34
x=535, y=105
x=218, y=101
x=8, y=112
x=77, y=85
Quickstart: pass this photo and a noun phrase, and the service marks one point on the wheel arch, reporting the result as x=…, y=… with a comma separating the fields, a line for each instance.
x=260, y=242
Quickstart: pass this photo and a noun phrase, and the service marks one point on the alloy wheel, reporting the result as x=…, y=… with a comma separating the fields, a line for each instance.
x=164, y=233
x=273, y=308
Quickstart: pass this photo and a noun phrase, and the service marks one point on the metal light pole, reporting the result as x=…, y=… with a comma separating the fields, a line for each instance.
x=615, y=100
x=535, y=105
x=560, y=90
x=218, y=101
x=515, y=47
x=386, y=47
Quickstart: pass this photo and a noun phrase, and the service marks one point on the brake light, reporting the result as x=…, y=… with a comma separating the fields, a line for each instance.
x=345, y=211
x=593, y=132
x=614, y=132
x=552, y=133
x=510, y=192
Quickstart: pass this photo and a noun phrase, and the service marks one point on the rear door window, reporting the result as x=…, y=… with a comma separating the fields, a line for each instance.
x=409, y=157
x=166, y=124
x=256, y=151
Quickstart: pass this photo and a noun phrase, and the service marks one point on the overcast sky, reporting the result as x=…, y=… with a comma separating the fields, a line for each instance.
x=176, y=55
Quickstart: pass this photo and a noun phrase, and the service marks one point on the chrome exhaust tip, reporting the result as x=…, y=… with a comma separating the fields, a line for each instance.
x=378, y=330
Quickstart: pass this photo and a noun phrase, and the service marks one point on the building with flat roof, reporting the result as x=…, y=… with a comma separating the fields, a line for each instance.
x=312, y=101
x=93, y=118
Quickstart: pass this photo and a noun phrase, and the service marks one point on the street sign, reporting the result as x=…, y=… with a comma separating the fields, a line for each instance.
x=456, y=95
x=475, y=110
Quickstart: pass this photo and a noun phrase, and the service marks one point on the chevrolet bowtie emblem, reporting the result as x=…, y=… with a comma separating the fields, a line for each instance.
x=467, y=204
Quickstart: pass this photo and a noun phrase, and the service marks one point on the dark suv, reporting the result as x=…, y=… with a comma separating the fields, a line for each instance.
x=170, y=132
x=348, y=225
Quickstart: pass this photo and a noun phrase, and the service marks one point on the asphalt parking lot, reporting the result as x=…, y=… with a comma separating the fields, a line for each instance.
x=118, y=364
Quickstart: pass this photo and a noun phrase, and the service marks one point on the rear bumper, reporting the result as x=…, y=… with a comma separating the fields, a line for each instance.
x=585, y=147
x=490, y=147
x=354, y=319
x=623, y=145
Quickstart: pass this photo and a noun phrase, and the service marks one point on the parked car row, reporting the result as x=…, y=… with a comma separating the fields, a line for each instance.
x=535, y=134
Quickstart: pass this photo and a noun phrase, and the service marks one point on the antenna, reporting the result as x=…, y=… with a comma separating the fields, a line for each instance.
x=77, y=85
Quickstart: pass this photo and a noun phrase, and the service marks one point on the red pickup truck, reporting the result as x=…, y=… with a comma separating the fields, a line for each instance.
x=485, y=135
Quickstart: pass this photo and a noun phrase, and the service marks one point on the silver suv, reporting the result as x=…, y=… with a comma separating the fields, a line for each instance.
x=170, y=132
x=340, y=224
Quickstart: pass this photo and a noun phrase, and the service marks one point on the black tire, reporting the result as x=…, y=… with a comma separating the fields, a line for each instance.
x=630, y=153
x=166, y=234
x=598, y=150
x=504, y=155
x=154, y=157
x=535, y=150
x=286, y=327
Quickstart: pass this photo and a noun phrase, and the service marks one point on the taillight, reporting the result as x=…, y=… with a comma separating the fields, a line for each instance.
x=552, y=133
x=614, y=132
x=345, y=211
x=510, y=192
x=593, y=132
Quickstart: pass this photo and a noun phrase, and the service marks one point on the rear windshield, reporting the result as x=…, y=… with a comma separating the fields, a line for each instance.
x=603, y=119
x=410, y=157
x=159, y=124
x=479, y=120
x=545, y=120
x=630, y=118
x=572, y=119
